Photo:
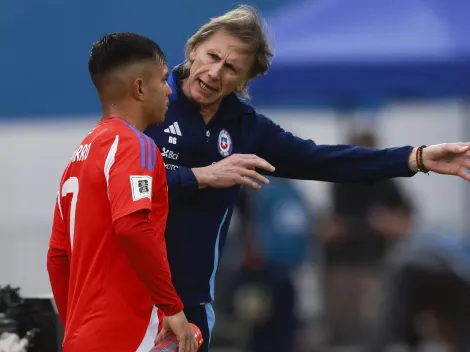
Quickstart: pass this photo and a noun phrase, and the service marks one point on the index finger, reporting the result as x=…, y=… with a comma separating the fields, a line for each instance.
x=257, y=162
x=182, y=346
x=464, y=175
x=190, y=347
x=159, y=338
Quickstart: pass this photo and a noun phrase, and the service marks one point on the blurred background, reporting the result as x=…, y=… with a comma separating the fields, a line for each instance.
x=308, y=266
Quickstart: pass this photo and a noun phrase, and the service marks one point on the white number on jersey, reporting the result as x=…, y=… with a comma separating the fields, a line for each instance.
x=71, y=186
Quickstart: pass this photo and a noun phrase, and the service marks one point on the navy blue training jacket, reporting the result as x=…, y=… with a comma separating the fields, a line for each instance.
x=199, y=219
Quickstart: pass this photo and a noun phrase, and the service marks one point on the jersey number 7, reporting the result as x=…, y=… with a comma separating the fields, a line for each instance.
x=71, y=186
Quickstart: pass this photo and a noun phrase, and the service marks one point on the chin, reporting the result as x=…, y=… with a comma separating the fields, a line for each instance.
x=203, y=100
x=158, y=120
x=200, y=98
x=161, y=120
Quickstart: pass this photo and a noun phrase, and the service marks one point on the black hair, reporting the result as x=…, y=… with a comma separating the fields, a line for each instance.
x=118, y=49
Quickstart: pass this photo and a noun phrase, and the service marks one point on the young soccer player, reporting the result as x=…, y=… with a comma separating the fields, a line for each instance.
x=107, y=260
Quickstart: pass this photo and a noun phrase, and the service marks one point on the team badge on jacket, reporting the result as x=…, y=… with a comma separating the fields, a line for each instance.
x=225, y=143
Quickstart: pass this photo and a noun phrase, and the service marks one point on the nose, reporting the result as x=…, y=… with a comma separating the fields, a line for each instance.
x=214, y=72
x=169, y=91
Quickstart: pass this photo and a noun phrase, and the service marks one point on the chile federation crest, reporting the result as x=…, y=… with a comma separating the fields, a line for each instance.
x=225, y=143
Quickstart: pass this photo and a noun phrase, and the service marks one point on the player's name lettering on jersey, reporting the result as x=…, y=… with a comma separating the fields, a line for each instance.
x=81, y=153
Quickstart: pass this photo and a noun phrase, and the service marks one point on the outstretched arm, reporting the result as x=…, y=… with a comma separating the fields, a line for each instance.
x=297, y=158
x=280, y=153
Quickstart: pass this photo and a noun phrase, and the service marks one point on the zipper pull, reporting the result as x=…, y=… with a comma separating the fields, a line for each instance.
x=208, y=134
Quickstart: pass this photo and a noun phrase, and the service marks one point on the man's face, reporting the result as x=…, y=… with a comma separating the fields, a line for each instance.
x=157, y=93
x=220, y=65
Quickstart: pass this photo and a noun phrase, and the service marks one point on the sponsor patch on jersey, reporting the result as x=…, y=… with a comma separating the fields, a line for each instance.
x=225, y=143
x=141, y=187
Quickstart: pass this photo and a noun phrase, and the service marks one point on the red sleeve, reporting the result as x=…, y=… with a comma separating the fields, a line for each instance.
x=58, y=265
x=129, y=170
x=147, y=255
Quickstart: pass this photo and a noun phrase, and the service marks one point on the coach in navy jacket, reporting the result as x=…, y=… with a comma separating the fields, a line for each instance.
x=212, y=142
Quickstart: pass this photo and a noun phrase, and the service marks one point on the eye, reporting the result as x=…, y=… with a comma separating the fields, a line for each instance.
x=213, y=56
x=231, y=68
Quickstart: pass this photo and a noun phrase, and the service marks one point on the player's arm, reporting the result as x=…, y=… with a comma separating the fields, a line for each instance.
x=129, y=171
x=58, y=265
x=147, y=256
x=296, y=158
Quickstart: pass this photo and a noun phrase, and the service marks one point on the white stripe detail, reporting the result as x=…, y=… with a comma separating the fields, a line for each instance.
x=172, y=129
x=177, y=128
x=110, y=161
x=60, y=207
x=148, y=342
x=210, y=319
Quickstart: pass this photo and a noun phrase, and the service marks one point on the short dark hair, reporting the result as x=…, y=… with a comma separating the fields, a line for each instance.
x=117, y=49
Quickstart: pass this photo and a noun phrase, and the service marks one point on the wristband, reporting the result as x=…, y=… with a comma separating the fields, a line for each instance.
x=419, y=159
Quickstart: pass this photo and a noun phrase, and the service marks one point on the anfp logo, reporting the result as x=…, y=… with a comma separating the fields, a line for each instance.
x=225, y=143
x=143, y=186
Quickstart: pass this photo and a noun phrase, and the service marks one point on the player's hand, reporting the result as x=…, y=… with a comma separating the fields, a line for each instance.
x=446, y=158
x=237, y=169
x=178, y=325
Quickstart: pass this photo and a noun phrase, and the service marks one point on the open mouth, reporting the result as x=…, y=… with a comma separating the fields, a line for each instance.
x=207, y=87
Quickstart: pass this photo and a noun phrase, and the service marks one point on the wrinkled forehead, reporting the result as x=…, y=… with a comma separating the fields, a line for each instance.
x=224, y=42
x=231, y=49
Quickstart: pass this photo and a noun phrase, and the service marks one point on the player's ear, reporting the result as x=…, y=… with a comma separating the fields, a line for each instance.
x=138, y=89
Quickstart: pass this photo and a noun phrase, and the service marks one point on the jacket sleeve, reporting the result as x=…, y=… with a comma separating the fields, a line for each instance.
x=181, y=181
x=296, y=158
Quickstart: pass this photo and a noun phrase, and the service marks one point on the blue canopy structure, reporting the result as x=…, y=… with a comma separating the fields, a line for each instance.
x=335, y=51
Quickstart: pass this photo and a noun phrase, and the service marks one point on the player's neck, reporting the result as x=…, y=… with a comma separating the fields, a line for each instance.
x=127, y=114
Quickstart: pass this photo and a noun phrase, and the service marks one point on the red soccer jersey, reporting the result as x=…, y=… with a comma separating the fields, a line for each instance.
x=115, y=171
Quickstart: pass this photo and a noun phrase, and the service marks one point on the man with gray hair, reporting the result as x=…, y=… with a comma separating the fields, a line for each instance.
x=213, y=142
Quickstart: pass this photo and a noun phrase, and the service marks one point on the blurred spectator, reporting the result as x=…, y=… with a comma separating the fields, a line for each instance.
x=428, y=294
x=276, y=225
x=366, y=219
